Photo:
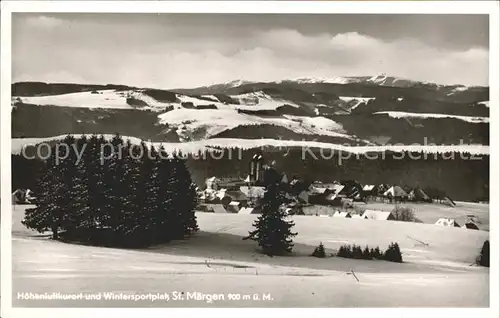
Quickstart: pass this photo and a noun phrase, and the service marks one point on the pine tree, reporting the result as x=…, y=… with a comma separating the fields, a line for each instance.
x=319, y=251
x=272, y=230
x=366, y=253
x=393, y=253
x=130, y=218
x=151, y=192
x=186, y=198
x=81, y=217
x=113, y=179
x=46, y=215
x=95, y=178
x=166, y=211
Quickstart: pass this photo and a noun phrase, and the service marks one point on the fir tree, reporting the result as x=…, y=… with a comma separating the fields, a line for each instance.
x=165, y=213
x=151, y=192
x=186, y=198
x=393, y=253
x=112, y=160
x=95, y=177
x=272, y=230
x=366, y=253
x=130, y=218
x=80, y=215
x=319, y=251
x=65, y=170
x=46, y=215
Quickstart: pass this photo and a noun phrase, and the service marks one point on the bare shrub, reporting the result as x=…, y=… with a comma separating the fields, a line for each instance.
x=403, y=213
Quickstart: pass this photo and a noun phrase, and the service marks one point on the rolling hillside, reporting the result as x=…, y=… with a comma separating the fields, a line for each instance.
x=378, y=112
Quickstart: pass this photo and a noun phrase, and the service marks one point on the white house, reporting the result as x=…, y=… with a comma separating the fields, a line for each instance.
x=378, y=215
x=447, y=222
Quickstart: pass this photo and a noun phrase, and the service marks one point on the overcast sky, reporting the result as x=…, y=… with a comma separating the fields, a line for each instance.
x=189, y=50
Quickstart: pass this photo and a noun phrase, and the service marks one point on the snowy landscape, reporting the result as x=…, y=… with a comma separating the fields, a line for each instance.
x=304, y=166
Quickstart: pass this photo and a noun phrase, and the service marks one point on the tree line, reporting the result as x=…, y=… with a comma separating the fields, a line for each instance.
x=116, y=194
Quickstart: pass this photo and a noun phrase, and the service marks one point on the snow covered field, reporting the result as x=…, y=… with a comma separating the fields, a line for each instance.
x=433, y=275
x=195, y=146
x=469, y=119
x=215, y=121
x=359, y=100
x=430, y=213
x=100, y=99
x=118, y=100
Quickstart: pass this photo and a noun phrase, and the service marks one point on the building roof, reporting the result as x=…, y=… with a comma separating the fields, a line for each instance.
x=376, y=215
x=396, y=191
x=246, y=211
x=217, y=208
x=253, y=192
x=357, y=216
x=471, y=225
x=339, y=214
x=318, y=190
x=447, y=222
x=368, y=187
x=237, y=195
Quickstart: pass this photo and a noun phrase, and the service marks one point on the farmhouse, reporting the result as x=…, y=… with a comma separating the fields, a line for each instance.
x=216, y=208
x=358, y=216
x=21, y=196
x=253, y=192
x=369, y=190
x=378, y=215
x=396, y=192
x=418, y=195
x=471, y=225
x=447, y=222
x=234, y=207
x=343, y=215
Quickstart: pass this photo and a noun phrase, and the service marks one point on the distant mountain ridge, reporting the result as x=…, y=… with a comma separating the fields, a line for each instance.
x=352, y=110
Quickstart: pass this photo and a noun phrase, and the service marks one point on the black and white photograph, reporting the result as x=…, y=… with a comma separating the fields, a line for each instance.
x=239, y=159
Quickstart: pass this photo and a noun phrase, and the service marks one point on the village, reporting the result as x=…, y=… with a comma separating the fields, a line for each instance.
x=337, y=199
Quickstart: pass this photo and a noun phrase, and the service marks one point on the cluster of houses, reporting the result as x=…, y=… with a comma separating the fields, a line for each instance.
x=447, y=222
x=389, y=216
x=242, y=195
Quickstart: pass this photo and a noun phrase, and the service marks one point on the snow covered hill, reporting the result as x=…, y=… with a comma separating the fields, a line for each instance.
x=469, y=119
x=344, y=109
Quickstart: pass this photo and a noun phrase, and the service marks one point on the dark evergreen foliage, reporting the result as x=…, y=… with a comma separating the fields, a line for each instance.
x=113, y=193
x=272, y=230
x=319, y=251
x=392, y=254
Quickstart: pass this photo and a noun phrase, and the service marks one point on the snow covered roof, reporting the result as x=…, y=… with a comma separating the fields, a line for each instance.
x=368, y=187
x=253, y=192
x=246, y=211
x=447, y=222
x=318, y=190
x=221, y=194
x=331, y=196
x=396, y=191
x=234, y=203
x=217, y=208
x=339, y=214
x=357, y=216
x=470, y=225
x=377, y=215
